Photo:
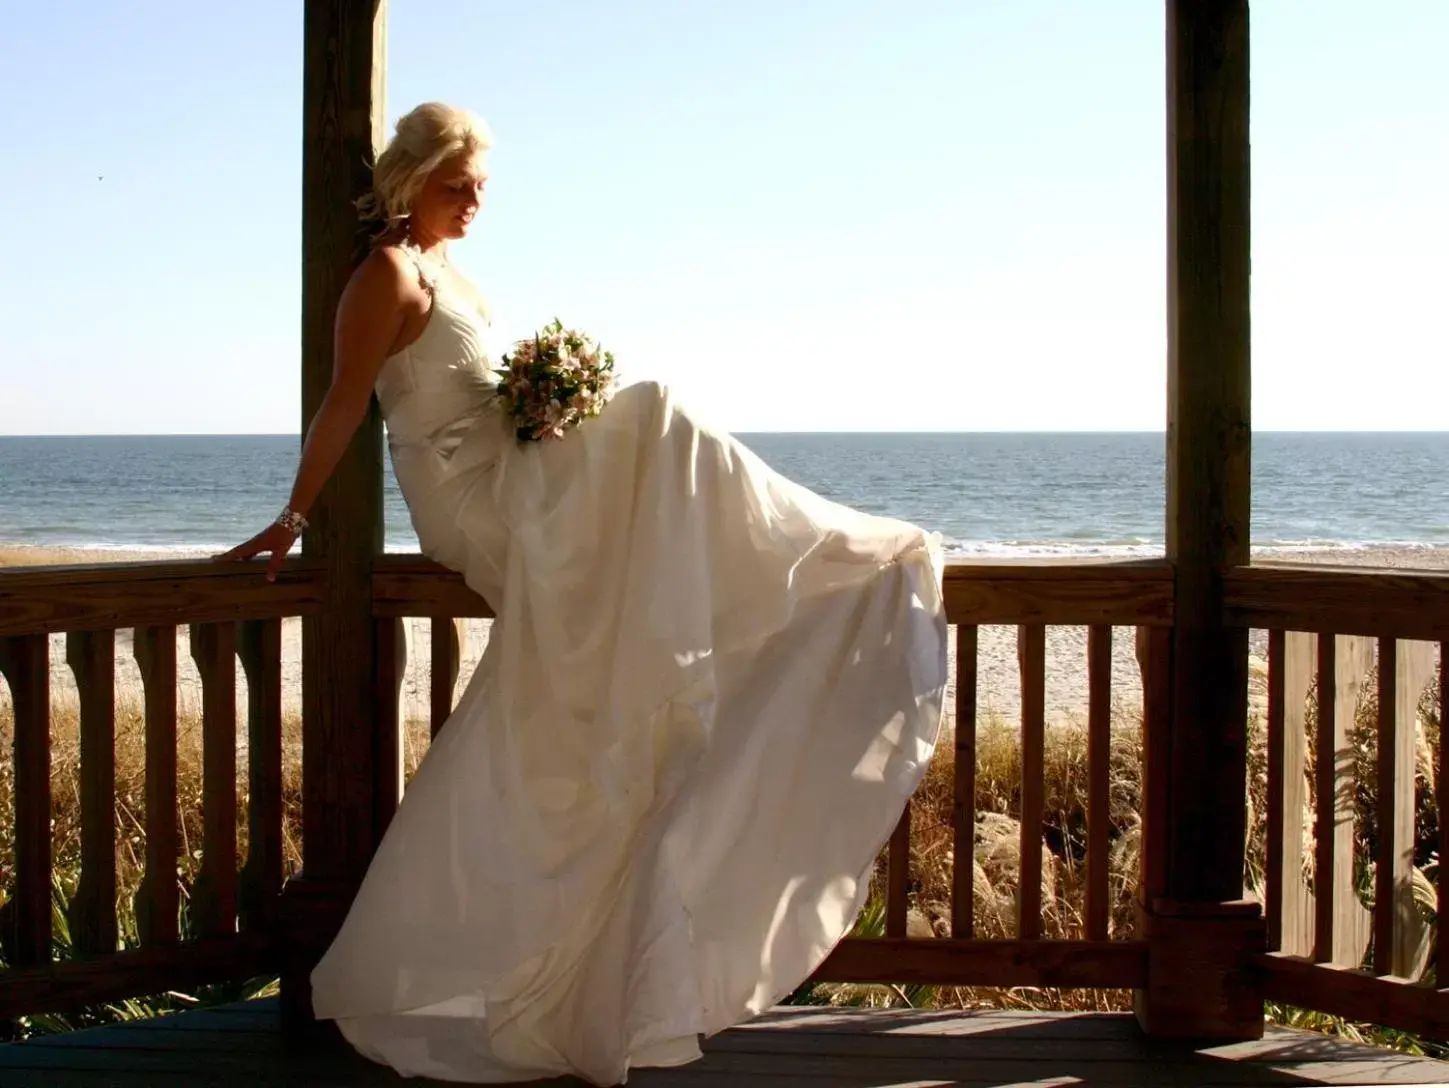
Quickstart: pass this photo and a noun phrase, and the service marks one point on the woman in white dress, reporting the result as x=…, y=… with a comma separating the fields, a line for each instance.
x=705, y=700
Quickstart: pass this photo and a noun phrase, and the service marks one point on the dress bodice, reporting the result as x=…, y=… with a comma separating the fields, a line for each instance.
x=446, y=432
x=442, y=382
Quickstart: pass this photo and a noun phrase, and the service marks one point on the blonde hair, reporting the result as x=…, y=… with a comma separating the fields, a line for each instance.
x=425, y=136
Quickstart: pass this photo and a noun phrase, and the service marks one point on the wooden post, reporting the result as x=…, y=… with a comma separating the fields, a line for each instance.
x=1201, y=933
x=343, y=69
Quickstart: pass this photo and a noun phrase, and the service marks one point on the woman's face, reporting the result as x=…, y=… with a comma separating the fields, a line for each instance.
x=450, y=198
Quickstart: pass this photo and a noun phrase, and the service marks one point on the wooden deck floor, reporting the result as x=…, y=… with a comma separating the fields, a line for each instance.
x=791, y=1048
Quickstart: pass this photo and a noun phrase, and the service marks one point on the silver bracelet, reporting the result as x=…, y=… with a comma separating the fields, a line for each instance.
x=292, y=521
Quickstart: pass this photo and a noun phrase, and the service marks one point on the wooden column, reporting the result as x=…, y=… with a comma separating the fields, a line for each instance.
x=1200, y=931
x=343, y=69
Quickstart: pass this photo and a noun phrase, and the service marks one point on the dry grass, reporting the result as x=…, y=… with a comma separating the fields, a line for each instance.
x=996, y=854
x=995, y=850
x=130, y=798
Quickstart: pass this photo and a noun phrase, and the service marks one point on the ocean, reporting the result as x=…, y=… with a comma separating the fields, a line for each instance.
x=1004, y=495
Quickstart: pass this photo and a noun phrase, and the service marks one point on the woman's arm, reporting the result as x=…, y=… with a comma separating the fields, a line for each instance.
x=370, y=319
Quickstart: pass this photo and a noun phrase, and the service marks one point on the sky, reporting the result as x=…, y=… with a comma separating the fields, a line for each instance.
x=805, y=215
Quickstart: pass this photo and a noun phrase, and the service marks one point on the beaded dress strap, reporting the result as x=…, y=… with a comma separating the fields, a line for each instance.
x=427, y=280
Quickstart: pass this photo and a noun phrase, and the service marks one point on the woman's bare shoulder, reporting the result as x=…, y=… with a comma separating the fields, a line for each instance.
x=386, y=263
x=384, y=275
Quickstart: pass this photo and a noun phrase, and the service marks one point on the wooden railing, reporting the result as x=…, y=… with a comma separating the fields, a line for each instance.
x=1324, y=949
x=227, y=930
x=1346, y=934
x=1029, y=597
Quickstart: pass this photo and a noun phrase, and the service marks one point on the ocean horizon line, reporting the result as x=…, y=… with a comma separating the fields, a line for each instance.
x=1049, y=433
x=1145, y=549
x=989, y=494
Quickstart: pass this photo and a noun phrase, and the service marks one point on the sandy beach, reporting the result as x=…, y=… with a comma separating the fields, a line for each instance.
x=998, y=693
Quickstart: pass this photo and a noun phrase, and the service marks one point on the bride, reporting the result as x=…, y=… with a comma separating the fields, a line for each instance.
x=705, y=700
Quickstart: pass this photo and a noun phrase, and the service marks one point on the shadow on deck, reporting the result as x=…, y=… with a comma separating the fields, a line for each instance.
x=789, y=1048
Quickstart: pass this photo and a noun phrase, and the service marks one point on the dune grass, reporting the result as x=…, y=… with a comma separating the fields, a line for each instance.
x=996, y=853
x=995, y=850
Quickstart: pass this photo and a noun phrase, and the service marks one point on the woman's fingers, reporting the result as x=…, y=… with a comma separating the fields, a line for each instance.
x=273, y=539
x=274, y=566
x=244, y=550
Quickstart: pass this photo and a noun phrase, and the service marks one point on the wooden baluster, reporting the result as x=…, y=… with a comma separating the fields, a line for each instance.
x=25, y=919
x=1154, y=661
x=158, y=898
x=1031, y=654
x=1274, y=846
x=1388, y=864
x=448, y=640
x=1412, y=950
x=1441, y=931
x=259, y=644
x=963, y=869
x=1099, y=779
x=214, y=896
x=392, y=659
x=1290, y=676
x=1404, y=669
x=1341, y=925
x=898, y=875
x=1325, y=789
x=92, y=910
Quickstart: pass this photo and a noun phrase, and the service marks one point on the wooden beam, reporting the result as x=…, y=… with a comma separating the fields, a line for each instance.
x=342, y=129
x=1127, y=594
x=1356, y=995
x=1197, y=986
x=1208, y=437
x=60, y=987
x=1110, y=964
x=1122, y=593
x=1340, y=600
x=50, y=600
x=343, y=115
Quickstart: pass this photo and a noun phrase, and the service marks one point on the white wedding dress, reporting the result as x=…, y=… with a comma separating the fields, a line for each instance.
x=705, y=700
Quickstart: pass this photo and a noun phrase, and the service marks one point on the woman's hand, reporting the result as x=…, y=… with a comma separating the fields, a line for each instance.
x=369, y=325
x=275, y=538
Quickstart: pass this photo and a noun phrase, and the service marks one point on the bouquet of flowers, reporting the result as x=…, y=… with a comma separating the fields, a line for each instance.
x=553, y=381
